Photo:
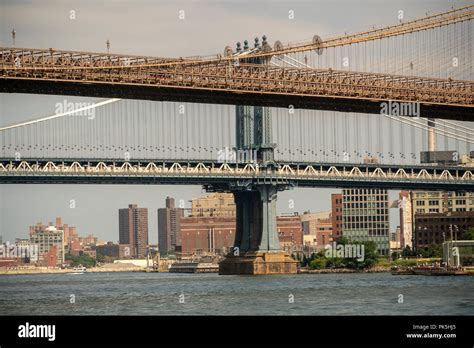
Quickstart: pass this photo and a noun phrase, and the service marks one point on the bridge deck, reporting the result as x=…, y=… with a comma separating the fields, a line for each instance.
x=213, y=174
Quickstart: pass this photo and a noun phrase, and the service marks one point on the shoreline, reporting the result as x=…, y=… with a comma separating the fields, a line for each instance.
x=40, y=271
x=344, y=270
x=63, y=271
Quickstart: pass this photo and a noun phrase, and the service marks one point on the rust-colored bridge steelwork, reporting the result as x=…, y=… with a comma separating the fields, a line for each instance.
x=230, y=79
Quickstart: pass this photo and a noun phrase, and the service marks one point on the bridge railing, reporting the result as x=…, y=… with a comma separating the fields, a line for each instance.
x=250, y=171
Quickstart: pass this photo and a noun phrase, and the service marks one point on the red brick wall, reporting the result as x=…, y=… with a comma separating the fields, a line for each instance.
x=290, y=230
x=50, y=258
x=205, y=233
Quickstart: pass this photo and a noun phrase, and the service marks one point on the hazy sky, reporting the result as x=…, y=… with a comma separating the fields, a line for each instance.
x=154, y=28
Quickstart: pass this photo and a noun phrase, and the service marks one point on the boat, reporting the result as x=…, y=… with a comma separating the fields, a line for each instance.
x=79, y=270
x=194, y=267
x=430, y=271
x=440, y=271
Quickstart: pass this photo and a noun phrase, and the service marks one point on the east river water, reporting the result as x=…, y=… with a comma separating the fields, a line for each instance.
x=211, y=294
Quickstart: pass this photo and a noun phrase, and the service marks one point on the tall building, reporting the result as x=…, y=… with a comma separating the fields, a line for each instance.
x=336, y=215
x=425, y=202
x=415, y=203
x=206, y=234
x=50, y=245
x=310, y=221
x=436, y=228
x=290, y=232
x=215, y=204
x=317, y=229
x=395, y=239
x=90, y=239
x=169, y=226
x=324, y=232
x=366, y=218
x=70, y=233
x=405, y=205
x=133, y=229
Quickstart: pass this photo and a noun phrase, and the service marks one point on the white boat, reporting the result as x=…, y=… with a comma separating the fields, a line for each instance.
x=79, y=270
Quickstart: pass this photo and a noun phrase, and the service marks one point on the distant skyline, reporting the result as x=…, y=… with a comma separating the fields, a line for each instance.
x=154, y=28
x=97, y=213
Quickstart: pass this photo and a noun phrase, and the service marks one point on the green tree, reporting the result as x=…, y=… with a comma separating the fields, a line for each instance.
x=407, y=252
x=84, y=260
x=318, y=263
x=370, y=256
x=434, y=250
x=335, y=262
x=319, y=260
x=469, y=234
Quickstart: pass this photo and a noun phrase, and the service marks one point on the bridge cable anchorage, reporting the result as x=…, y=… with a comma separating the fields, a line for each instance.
x=62, y=114
x=421, y=126
x=429, y=22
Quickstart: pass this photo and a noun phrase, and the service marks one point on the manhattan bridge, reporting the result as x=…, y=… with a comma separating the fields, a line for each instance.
x=385, y=108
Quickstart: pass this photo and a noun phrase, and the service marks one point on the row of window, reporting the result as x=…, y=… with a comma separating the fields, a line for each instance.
x=370, y=227
x=371, y=233
x=363, y=191
x=367, y=218
x=443, y=203
x=440, y=194
x=436, y=210
x=365, y=205
x=350, y=212
x=444, y=227
x=365, y=198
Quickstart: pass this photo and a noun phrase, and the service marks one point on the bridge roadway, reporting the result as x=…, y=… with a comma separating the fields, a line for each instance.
x=212, y=174
x=248, y=84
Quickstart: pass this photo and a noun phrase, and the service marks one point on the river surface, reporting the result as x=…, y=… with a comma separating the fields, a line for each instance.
x=211, y=294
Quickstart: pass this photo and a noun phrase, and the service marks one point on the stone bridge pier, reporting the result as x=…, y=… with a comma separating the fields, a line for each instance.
x=257, y=248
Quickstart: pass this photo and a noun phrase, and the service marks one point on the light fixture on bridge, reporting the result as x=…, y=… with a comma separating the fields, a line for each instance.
x=13, y=36
x=256, y=44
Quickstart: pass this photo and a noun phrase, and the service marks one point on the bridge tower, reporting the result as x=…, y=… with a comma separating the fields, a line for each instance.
x=256, y=248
